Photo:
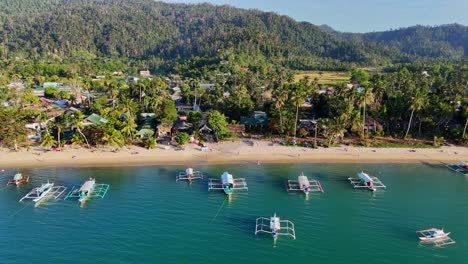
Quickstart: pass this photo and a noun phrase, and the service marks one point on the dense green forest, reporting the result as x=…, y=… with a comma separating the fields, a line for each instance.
x=161, y=36
x=447, y=41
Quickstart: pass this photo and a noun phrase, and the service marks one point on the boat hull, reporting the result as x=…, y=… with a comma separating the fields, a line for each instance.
x=429, y=239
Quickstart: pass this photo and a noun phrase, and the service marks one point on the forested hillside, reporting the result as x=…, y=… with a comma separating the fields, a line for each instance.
x=447, y=41
x=162, y=35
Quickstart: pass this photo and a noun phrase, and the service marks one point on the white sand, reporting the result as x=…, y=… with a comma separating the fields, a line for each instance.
x=235, y=152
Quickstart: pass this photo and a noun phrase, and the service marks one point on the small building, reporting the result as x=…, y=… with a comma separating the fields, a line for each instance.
x=256, y=122
x=147, y=125
x=60, y=103
x=184, y=108
x=16, y=85
x=133, y=79
x=207, y=85
x=257, y=117
x=164, y=130
x=182, y=126
x=145, y=74
x=51, y=85
x=38, y=91
x=372, y=124
x=226, y=94
x=95, y=119
x=307, y=124
x=206, y=134
x=236, y=129
x=35, y=129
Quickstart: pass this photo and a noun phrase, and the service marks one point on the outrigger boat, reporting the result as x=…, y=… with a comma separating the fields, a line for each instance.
x=189, y=175
x=363, y=180
x=304, y=184
x=45, y=191
x=275, y=227
x=461, y=167
x=436, y=236
x=227, y=183
x=18, y=179
x=88, y=190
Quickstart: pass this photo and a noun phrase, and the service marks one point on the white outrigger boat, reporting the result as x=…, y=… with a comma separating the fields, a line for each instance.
x=88, y=190
x=304, y=184
x=275, y=227
x=436, y=236
x=189, y=175
x=18, y=179
x=45, y=191
x=363, y=180
x=227, y=183
x=461, y=167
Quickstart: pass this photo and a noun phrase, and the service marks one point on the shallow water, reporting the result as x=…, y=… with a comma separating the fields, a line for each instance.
x=148, y=217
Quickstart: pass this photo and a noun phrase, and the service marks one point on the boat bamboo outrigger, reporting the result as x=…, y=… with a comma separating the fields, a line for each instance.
x=436, y=236
x=275, y=227
x=304, y=184
x=44, y=192
x=227, y=183
x=18, y=179
x=88, y=190
x=189, y=175
x=363, y=180
x=461, y=167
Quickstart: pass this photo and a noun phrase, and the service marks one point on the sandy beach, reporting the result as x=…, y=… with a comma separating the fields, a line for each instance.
x=231, y=152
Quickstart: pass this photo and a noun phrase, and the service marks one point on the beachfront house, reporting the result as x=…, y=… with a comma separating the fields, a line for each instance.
x=207, y=134
x=256, y=122
x=95, y=119
x=164, y=130
x=182, y=126
x=147, y=125
x=308, y=124
x=35, y=131
x=372, y=125
x=236, y=129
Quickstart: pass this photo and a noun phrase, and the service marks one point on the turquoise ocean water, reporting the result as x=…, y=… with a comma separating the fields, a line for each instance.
x=148, y=217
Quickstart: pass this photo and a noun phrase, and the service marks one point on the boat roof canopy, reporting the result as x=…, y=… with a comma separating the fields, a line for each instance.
x=87, y=185
x=227, y=178
x=303, y=181
x=364, y=177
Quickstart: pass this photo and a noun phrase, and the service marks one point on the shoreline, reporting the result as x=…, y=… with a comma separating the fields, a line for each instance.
x=231, y=152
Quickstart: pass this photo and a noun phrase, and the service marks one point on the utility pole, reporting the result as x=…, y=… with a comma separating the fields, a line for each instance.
x=315, y=136
x=464, y=130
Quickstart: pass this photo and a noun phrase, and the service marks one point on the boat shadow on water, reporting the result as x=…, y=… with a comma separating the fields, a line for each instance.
x=244, y=224
x=439, y=165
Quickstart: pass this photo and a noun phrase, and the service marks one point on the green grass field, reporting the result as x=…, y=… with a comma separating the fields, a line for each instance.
x=325, y=77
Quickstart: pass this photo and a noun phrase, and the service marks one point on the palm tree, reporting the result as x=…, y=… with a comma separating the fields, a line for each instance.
x=367, y=97
x=60, y=123
x=333, y=129
x=464, y=129
x=76, y=123
x=419, y=102
x=128, y=128
x=113, y=94
x=114, y=138
x=47, y=140
x=281, y=98
x=298, y=96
